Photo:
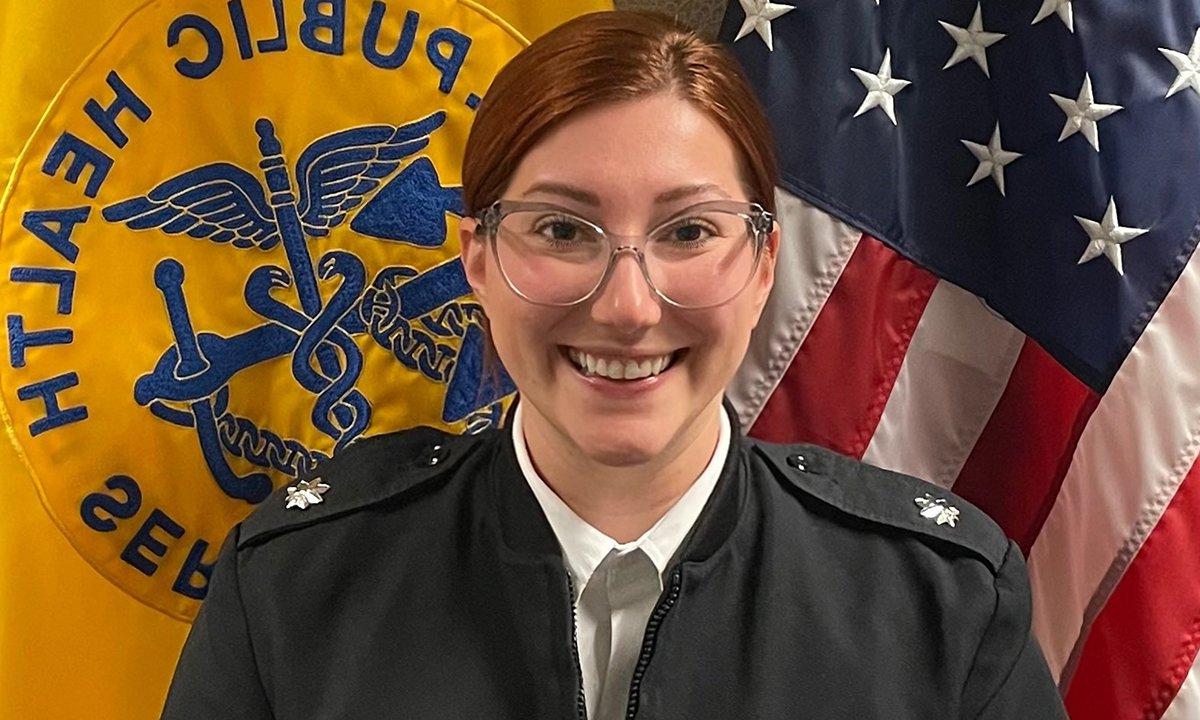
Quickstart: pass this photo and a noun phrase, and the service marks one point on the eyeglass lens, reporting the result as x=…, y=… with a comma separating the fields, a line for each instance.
x=701, y=259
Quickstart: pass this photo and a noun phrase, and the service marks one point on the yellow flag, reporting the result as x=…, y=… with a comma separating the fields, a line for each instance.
x=226, y=251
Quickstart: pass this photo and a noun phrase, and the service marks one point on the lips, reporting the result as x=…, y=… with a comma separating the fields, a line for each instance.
x=621, y=368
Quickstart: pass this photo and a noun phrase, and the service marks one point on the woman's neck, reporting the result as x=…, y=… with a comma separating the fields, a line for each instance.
x=621, y=502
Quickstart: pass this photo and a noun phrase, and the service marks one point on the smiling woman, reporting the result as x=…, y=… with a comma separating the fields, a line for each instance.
x=619, y=549
x=635, y=262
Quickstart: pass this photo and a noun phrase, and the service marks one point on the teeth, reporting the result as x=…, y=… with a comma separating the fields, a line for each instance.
x=617, y=368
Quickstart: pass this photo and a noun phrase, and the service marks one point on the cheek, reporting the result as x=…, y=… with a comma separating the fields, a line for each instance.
x=521, y=334
x=507, y=334
x=725, y=335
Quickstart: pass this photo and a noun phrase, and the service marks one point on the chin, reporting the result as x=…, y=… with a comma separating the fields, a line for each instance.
x=615, y=451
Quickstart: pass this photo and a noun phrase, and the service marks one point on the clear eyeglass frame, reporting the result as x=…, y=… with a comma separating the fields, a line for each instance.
x=759, y=223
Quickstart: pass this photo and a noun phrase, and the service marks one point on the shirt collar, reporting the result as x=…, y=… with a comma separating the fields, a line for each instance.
x=584, y=546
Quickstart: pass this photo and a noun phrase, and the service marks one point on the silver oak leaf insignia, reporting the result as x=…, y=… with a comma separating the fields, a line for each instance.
x=306, y=493
x=936, y=509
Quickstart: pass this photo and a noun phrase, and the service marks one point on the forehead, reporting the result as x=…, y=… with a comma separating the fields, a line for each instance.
x=628, y=152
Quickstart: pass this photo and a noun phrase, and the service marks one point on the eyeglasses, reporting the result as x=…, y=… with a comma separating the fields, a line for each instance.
x=702, y=257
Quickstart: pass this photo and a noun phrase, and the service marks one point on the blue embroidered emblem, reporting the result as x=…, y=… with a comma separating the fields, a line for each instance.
x=228, y=251
x=406, y=312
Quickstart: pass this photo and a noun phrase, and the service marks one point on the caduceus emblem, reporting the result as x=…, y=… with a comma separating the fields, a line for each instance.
x=224, y=203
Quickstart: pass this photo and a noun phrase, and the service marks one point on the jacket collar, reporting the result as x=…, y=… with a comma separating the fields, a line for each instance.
x=525, y=531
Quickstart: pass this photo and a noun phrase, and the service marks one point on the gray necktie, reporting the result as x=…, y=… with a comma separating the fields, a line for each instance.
x=624, y=590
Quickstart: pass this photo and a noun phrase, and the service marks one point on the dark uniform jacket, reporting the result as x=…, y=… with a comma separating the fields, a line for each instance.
x=428, y=584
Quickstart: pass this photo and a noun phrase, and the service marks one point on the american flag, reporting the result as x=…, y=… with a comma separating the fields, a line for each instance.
x=987, y=280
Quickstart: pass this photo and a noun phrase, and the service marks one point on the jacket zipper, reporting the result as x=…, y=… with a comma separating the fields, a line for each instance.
x=580, y=704
x=643, y=661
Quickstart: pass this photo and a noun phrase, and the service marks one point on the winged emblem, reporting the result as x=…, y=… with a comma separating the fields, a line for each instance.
x=225, y=203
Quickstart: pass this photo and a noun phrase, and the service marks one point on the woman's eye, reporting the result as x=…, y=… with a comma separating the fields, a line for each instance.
x=563, y=231
x=559, y=230
x=689, y=233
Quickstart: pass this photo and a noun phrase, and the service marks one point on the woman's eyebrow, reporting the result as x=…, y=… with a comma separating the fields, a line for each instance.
x=592, y=200
x=684, y=191
x=567, y=191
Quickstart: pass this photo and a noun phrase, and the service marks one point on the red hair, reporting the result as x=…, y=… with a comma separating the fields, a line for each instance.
x=607, y=57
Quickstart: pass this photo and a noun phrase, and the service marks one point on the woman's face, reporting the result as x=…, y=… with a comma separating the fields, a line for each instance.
x=610, y=165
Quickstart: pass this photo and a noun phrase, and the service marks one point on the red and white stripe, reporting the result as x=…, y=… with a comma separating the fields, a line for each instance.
x=1186, y=705
x=957, y=366
x=862, y=351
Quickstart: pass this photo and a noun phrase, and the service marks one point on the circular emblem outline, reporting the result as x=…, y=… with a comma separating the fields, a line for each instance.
x=380, y=181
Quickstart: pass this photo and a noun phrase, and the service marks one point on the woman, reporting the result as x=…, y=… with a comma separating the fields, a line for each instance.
x=618, y=550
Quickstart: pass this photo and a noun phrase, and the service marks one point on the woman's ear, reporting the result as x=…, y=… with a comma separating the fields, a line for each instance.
x=766, y=269
x=474, y=255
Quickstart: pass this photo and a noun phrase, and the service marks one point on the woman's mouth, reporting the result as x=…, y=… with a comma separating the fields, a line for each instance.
x=622, y=367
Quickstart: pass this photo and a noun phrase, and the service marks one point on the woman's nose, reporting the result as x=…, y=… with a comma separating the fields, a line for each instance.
x=626, y=301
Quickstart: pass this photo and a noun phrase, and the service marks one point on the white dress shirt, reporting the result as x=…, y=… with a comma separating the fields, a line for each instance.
x=616, y=584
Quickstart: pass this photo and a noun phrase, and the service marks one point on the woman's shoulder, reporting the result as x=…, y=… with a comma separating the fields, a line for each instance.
x=363, y=474
x=874, y=499
x=928, y=578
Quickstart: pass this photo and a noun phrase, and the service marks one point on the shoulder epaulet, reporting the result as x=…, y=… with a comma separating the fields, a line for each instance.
x=886, y=497
x=366, y=472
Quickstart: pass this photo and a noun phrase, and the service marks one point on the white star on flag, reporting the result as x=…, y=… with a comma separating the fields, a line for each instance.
x=1107, y=236
x=759, y=14
x=1083, y=113
x=1187, y=65
x=971, y=41
x=1061, y=7
x=881, y=87
x=992, y=159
